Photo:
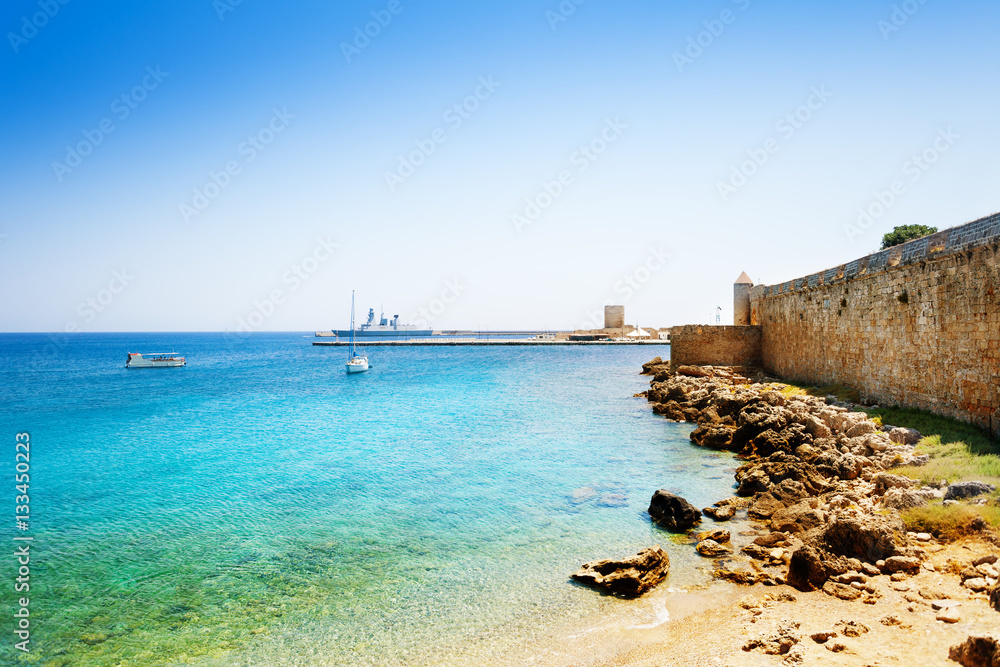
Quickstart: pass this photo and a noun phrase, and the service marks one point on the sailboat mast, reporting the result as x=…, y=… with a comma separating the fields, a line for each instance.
x=352, y=325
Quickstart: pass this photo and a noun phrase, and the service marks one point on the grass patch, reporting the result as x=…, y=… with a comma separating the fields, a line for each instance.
x=958, y=452
x=842, y=392
x=952, y=522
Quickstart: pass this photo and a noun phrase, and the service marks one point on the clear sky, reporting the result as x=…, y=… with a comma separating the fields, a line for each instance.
x=182, y=166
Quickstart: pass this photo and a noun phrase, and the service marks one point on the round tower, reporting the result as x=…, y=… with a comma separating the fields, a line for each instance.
x=614, y=317
x=741, y=300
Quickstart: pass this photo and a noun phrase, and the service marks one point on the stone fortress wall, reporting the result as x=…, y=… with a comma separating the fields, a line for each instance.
x=916, y=325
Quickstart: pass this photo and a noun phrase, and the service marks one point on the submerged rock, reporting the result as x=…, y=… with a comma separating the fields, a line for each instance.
x=724, y=513
x=673, y=512
x=628, y=578
x=712, y=549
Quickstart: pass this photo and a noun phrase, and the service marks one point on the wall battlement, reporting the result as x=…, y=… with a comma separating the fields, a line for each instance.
x=916, y=325
x=962, y=238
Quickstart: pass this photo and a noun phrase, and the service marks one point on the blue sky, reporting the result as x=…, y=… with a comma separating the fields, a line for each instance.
x=471, y=165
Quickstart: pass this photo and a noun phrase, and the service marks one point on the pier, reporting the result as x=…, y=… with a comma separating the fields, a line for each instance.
x=477, y=341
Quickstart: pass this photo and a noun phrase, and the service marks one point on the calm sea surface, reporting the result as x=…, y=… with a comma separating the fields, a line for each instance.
x=261, y=507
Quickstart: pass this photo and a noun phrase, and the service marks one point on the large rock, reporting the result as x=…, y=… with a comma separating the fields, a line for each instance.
x=901, y=564
x=884, y=481
x=763, y=474
x=976, y=652
x=798, y=518
x=655, y=365
x=904, y=436
x=903, y=499
x=806, y=571
x=867, y=537
x=673, y=512
x=862, y=428
x=712, y=549
x=724, y=513
x=628, y=578
x=712, y=436
x=967, y=490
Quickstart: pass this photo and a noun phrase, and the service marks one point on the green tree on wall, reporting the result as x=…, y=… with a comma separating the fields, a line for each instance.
x=905, y=233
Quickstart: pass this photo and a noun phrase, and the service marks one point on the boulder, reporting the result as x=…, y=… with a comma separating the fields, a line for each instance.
x=720, y=535
x=628, y=578
x=649, y=367
x=867, y=537
x=814, y=425
x=764, y=506
x=806, y=571
x=694, y=371
x=712, y=436
x=789, y=491
x=670, y=410
x=673, y=512
x=904, y=436
x=967, y=490
x=903, y=499
x=712, y=549
x=862, y=428
x=976, y=652
x=762, y=474
x=798, y=518
x=724, y=513
x=901, y=564
x=884, y=481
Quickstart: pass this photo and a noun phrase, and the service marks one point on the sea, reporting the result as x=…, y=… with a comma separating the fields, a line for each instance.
x=261, y=507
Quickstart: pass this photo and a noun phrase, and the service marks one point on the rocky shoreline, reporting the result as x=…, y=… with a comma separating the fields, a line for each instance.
x=818, y=494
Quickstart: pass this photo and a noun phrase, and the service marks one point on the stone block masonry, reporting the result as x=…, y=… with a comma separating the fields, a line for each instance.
x=714, y=346
x=917, y=325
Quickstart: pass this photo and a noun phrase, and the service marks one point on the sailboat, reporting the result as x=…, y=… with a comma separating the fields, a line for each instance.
x=355, y=363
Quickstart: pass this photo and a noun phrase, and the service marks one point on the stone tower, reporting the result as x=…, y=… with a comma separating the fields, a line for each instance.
x=614, y=317
x=741, y=300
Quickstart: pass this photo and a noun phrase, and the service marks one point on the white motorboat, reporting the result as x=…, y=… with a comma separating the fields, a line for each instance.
x=154, y=360
x=355, y=363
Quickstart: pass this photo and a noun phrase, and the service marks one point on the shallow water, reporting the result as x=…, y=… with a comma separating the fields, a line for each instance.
x=262, y=507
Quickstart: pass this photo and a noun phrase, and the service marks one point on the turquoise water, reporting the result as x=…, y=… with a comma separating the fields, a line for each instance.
x=261, y=507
